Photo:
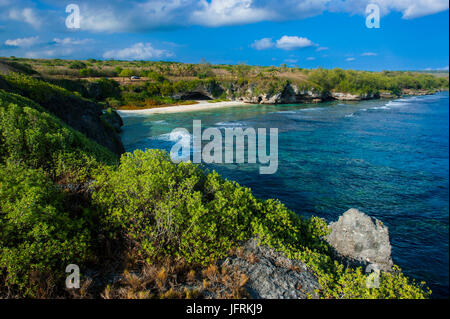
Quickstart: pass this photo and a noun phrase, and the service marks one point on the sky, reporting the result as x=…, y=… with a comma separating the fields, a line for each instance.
x=412, y=34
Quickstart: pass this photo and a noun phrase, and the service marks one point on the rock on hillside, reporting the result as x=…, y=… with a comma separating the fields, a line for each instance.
x=353, y=97
x=288, y=94
x=361, y=240
x=271, y=274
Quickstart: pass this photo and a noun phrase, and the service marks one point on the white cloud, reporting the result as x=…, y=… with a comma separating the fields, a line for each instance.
x=409, y=8
x=311, y=58
x=293, y=42
x=285, y=43
x=139, y=51
x=71, y=41
x=415, y=8
x=229, y=12
x=350, y=59
x=321, y=49
x=27, y=15
x=22, y=42
x=49, y=53
x=145, y=15
x=263, y=44
x=291, y=60
x=445, y=68
x=369, y=54
x=108, y=16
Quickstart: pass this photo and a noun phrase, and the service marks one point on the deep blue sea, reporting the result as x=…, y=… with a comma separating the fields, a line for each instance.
x=390, y=159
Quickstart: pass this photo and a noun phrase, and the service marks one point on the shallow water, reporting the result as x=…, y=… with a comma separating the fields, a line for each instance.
x=389, y=159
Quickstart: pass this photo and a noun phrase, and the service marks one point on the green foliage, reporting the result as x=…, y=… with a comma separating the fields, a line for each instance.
x=38, y=238
x=108, y=89
x=22, y=67
x=88, y=72
x=163, y=209
x=158, y=208
x=38, y=91
x=38, y=139
x=166, y=209
x=127, y=73
x=361, y=82
x=78, y=65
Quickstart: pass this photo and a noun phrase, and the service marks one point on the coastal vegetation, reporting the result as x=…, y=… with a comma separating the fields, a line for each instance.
x=169, y=83
x=161, y=227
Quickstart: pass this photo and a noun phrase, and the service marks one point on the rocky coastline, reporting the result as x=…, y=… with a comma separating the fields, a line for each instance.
x=291, y=94
x=357, y=239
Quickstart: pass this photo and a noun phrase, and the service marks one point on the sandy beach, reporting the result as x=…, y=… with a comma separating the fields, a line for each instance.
x=201, y=105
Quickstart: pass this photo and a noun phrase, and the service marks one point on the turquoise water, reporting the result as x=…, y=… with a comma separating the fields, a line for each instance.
x=389, y=159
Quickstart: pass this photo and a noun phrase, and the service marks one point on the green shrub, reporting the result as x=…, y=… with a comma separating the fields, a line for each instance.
x=163, y=209
x=78, y=65
x=38, y=238
x=33, y=137
x=127, y=73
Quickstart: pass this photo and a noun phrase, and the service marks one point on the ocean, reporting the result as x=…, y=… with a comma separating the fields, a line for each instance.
x=387, y=158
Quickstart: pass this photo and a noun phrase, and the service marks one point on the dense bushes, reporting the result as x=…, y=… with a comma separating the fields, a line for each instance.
x=167, y=210
x=362, y=82
x=174, y=210
x=62, y=197
x=38, y=238
x=38, y=139
x=41, y=229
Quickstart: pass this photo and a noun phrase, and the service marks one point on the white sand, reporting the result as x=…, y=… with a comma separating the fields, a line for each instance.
x=202, y=105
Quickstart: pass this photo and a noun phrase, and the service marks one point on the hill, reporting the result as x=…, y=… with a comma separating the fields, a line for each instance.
x=144, y=84
x=141, y=227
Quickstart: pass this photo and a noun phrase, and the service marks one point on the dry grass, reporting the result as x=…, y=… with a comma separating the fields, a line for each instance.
x=174, y=279
x=296, y=76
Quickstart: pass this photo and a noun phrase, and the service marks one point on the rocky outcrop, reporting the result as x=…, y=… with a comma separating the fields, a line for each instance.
x=113, y=119
x=360, y=240
x=419, y=92
x=84, y=116
x=255, y=93
x=387, y=95
x=353, y=97
x=203, y=91
x=288, y=95
x=271, y=274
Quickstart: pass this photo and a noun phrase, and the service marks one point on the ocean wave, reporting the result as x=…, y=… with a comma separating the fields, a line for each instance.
x=285, y=112
x=230, y=124
x=397, y=103
x=159, y=122
x=177, y=137
x=311, y=109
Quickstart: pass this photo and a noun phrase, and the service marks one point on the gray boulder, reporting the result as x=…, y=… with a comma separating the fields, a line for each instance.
x=361, y=240
x=271, y=274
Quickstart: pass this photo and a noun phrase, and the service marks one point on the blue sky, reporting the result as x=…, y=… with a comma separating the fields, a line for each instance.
x=413, y=34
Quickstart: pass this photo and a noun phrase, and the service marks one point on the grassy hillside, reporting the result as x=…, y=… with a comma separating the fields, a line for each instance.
x=166, y=83
x=162, y=227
